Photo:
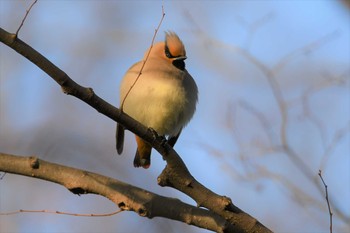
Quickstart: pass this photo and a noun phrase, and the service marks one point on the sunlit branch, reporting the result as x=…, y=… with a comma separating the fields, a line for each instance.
x=127, y=197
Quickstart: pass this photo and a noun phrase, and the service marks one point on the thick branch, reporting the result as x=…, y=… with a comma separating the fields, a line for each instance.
x=126, y=196
x=175, y=174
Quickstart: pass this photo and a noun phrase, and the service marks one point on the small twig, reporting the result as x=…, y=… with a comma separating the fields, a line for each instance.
x=261, y=118
x=253, y=27
x=145, y=60
x=306, y=50
x=25, y=16
x=328, y=204
x=60, y=212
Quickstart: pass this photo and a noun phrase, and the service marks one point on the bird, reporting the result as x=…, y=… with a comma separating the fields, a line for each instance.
x=163, y=98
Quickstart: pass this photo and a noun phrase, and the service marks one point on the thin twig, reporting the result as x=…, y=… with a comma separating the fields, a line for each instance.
x=60, y=212
x=328, y=204
x=306, y=50
x=25, y=16
x=253, y=27
x=145, y=60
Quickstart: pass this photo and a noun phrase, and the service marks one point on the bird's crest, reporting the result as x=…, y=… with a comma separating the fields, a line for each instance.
x=173, y=46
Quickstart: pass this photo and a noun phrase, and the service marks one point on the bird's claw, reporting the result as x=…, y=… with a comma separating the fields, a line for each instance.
x=157, y=137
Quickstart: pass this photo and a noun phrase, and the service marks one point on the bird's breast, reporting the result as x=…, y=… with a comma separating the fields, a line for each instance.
x=160, y=99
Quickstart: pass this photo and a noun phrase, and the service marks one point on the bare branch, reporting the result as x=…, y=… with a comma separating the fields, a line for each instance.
x=25, y=16
x=328, y=204
x=125, y=196
x=253, y=27
x=261, y=118
x=62, y=213
x=305, y=50
x=338, y=136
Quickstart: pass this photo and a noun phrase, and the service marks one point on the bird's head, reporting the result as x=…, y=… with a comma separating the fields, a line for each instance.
x=172, y=50
x=175, y=50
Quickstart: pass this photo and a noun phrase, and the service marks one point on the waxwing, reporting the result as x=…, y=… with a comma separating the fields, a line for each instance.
x=164, y=97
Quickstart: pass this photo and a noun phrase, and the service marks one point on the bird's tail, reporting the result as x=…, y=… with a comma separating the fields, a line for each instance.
x=119, y=138
x=143, y=154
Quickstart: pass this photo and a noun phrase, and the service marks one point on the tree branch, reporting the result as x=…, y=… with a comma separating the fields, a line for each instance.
x=175, y=174
x=125, y=196
x=25, y=16
x=327, y=200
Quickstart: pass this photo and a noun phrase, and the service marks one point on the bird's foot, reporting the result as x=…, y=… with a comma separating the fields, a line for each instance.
x=156, y=136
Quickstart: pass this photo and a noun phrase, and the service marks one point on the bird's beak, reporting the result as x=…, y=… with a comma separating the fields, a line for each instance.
x=180, y=58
